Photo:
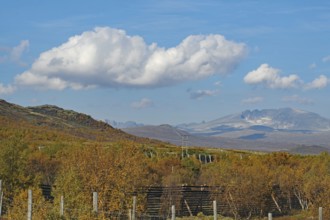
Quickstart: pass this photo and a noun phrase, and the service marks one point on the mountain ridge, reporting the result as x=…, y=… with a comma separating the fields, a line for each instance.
x=51, y=117
x=277, y=119
x=74, y=117
x=282, y=129
x=259, y=136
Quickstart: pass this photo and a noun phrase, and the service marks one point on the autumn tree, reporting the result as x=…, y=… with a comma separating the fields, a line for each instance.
x=115, y=172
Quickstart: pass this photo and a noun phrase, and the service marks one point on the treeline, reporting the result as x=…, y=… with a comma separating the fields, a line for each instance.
x=251, y=184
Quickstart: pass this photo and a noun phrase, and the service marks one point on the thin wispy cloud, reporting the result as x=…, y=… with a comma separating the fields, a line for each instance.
x=253, y=100
x=302, y=8
x=255, y=31
x=4, y=51
x=178, y=6
x=17, y=52
x=199, y=94
x=312, y=66
x=14, y=54
x=143, y=103
x=218, y=83
x=297, y=99
x=326, y=59
x=66, y=22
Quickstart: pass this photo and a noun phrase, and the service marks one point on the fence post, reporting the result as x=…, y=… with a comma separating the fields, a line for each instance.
x=320, y=213
x=173, y=212
x=29, y=214
x=62, y=206
x=134, y=208
x=215, y=211
x=270, y=216
x=1, y=196
x=130, y=214
x=95, y=210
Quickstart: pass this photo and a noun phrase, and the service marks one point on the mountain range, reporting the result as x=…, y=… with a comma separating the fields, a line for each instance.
x=284, y=119
x=282, y=129
x=121, y=125
x=261, y=130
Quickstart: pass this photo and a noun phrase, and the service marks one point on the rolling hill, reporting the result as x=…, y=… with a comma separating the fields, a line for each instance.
x=49, y=118
x=261, y=130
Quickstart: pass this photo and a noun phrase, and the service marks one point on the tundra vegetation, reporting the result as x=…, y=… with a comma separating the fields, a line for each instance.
x=77, y=165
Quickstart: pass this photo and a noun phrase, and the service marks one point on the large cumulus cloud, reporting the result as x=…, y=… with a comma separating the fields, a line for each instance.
x=110, y=58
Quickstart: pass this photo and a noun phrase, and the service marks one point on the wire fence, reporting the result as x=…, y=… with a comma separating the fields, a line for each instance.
x=159, y=203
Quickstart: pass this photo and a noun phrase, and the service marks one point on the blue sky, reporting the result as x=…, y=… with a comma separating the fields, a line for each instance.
x=166, y=61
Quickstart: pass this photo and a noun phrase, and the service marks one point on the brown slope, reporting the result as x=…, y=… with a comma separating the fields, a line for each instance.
x=72, y=123
x=69, y=117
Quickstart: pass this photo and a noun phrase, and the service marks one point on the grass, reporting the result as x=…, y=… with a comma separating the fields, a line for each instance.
x=200, y=216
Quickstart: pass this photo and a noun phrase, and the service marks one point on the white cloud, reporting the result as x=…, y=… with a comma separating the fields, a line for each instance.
x=312, y=66
x=202, y=93
x=218, y=83
x=3, y=54
x=253, y=100
x=110, y=58
x=5, y=90
x=270, y=77
x=297, y=99
x=143, y=103
x=326, y=59
x=318, y=83
x=16, y=52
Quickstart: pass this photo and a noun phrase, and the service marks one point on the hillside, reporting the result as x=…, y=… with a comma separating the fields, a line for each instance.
x=69, y=117
x=75, y=155
x=52, y=118
x=50, y=115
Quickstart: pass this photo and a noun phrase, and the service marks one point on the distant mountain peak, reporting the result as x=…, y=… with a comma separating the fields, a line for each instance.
x=122, y=125
x=273, y=111
x=275, y=119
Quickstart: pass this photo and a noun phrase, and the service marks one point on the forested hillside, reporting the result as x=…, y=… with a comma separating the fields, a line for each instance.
x=77, y=160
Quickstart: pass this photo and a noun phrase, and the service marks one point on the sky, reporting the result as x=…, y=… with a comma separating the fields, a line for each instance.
x=166, y=62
